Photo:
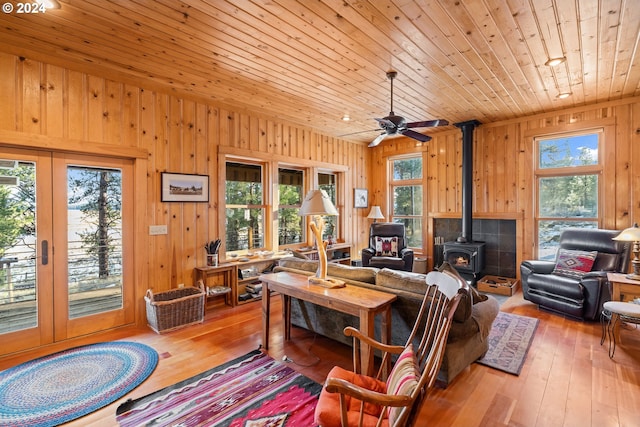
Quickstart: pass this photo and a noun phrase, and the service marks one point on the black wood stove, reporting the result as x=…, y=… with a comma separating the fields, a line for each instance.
x=467, y=258
x=465, y=255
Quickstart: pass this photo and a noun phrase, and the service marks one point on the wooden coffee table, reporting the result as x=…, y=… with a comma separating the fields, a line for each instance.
x=362, y=302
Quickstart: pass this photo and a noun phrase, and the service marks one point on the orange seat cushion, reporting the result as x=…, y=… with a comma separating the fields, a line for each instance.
x=328, y=409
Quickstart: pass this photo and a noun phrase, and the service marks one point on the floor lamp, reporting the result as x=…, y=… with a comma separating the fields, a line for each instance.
x=317, y=203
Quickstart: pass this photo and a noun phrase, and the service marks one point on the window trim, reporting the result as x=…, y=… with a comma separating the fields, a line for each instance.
x=277, y=207
x=580, y=170
x=266, y=196
x=271, y=163
x=339, y=203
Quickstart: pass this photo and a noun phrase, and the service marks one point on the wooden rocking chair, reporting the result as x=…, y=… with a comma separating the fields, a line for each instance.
x=352, y=399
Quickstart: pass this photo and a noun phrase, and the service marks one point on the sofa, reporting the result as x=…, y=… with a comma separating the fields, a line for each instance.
x=575, y=283
x=467, y=340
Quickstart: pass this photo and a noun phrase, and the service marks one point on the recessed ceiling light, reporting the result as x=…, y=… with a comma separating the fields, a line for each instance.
x=564, y=95
x=50, y=4
x=346, y=117
x=552, y=62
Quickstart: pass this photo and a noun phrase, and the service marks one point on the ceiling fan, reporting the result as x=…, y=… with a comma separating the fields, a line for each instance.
x=394, y=125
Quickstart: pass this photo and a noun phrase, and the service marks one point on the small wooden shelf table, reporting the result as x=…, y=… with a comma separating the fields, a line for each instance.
x=229, y=271
x=361, y=302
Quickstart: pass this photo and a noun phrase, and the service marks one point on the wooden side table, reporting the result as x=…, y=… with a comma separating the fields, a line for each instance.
x=622, y=289
x=361, y=302
x=229, y=271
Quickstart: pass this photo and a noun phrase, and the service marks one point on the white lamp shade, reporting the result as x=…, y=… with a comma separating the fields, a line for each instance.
x=317, y=202
x=375, y=213
x=631, y=234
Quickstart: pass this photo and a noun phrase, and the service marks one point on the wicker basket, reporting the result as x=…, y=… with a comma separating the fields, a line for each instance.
x=170, y=310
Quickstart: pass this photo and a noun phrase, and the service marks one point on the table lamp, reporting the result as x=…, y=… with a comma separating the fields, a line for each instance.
x=317, y=203
x=632, y=234
x=375, y=213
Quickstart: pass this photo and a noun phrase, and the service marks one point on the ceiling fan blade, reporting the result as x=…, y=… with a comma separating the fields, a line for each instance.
x=428, y=123
x=378, y=140
x=415, y=135
x=356, y=133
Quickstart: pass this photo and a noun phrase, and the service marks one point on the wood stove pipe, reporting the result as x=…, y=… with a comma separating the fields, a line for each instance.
x=467, y=179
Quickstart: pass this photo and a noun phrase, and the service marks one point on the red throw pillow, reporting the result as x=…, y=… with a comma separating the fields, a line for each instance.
x=572, y=263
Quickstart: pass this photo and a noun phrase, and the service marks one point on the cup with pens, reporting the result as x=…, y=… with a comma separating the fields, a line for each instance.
x=212, y=249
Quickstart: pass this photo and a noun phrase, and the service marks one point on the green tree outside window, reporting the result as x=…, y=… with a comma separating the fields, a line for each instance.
x=290, y=223
x=245, y=207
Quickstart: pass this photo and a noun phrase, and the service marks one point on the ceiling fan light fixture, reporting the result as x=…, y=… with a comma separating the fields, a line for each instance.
x=393, y=124
x=552, y=62
x=564, y=95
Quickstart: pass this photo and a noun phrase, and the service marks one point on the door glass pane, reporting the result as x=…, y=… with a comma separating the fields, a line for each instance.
x=18, y=298
x=94, y=240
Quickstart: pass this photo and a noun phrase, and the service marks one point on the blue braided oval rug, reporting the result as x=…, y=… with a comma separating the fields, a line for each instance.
x=64, y=386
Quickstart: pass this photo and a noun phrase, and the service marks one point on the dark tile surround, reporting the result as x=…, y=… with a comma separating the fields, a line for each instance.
x=498, y=234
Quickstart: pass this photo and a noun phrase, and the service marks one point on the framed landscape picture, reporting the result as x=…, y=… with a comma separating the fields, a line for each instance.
x=180, y=187
x=360, y=198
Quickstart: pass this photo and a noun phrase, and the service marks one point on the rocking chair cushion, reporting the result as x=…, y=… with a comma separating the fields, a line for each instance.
x=328, y=408
x=403, y=379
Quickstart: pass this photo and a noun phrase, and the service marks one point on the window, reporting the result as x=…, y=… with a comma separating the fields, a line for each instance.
x=406, y=193
x=290, y=225
x=262, y=200
x=329, y=183
x=567, y=174
x=245, y=207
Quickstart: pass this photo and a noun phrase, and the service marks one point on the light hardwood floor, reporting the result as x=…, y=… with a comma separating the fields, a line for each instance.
x=567, y=380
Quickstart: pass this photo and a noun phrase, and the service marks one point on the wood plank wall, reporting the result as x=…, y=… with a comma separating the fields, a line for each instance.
x=503, y=168
x=58, y=108
x=61, y=108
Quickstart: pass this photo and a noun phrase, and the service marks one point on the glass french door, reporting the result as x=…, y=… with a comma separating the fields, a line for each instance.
x=65, y=246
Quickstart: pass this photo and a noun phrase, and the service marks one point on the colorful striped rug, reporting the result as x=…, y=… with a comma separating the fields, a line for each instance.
x=253, y=390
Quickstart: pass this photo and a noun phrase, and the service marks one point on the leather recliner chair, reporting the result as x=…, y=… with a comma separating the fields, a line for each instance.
x=579, y=297
x=374, y=257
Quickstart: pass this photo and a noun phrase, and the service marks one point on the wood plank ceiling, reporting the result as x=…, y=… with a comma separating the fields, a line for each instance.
x=313, y=61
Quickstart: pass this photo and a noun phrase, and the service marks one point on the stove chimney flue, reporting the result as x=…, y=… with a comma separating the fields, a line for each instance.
x=467, y=179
